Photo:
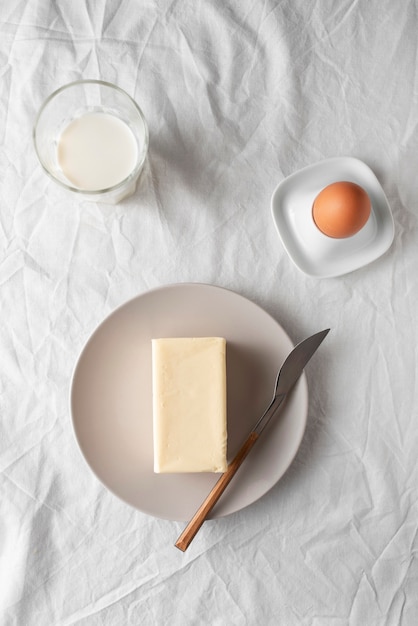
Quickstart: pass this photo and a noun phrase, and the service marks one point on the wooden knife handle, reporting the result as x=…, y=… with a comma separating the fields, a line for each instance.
x=205, y=508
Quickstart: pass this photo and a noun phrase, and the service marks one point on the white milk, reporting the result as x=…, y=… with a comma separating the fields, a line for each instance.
x=96, y=151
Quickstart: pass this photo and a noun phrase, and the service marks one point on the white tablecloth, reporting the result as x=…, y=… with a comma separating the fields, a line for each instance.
x=238, y=95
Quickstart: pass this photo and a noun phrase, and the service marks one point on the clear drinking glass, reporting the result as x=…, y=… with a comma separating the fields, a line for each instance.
x=70, y=103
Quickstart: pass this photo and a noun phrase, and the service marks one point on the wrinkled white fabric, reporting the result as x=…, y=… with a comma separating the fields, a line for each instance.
x=238, y=95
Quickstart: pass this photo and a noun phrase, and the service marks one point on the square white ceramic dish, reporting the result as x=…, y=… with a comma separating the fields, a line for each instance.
x=313, y=252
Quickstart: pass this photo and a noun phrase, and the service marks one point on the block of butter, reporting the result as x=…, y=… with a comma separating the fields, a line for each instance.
x=189, y=404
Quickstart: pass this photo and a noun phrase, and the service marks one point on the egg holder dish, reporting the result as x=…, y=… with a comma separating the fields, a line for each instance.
x=311, y=251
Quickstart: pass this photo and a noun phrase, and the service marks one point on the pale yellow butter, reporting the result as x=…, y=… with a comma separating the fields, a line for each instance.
x=189, y=404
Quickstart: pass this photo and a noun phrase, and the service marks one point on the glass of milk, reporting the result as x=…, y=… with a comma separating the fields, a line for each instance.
x=91, y=138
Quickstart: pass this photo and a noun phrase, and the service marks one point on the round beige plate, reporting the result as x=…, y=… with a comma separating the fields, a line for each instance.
x=111, y=398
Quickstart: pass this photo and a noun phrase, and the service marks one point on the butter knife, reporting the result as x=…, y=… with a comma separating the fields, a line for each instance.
x=287, y=377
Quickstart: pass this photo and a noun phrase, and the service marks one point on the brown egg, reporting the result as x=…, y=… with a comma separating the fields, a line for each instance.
x=341, y=209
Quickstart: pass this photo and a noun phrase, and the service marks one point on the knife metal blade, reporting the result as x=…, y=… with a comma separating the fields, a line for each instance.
x=289, y=373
